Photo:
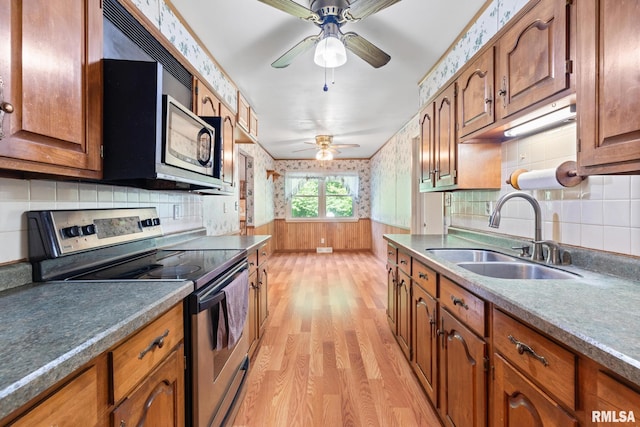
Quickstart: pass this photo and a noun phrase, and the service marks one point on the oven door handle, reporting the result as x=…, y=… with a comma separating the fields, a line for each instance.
x=210, y=299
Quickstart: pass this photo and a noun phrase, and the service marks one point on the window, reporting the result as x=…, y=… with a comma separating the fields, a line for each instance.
x=321, y=196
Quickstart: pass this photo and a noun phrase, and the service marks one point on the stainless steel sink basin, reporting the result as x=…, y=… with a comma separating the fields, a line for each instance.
x=516, y=270
x=471, y=255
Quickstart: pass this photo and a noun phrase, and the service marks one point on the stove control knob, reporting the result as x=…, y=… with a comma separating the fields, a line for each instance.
x=88, y=230
x=73, y=231
x=146, y=222
x=156, y=221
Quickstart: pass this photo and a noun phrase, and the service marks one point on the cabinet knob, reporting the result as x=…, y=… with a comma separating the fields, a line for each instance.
x=5, y=108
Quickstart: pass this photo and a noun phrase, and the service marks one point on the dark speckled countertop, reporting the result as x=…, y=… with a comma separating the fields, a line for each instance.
x=595, y=314
x=48, y=330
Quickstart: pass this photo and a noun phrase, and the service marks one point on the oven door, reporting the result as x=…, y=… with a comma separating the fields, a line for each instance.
x=216, y=370
x=188, y=140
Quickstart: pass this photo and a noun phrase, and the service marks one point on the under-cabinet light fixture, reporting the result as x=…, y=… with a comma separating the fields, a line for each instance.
x=547, y=121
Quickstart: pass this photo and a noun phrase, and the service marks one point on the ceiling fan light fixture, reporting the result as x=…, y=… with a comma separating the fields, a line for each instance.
x=330, y=52
x=324, y=155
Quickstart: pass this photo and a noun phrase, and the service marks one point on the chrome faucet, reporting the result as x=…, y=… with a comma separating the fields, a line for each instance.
x=494, y=220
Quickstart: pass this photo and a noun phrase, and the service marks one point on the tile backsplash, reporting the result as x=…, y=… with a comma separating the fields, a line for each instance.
x=18, y=196
x=602, y=212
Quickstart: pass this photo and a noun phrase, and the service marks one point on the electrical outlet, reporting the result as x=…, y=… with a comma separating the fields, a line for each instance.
x=225, y=207
x=488, y=208
x=177, y=211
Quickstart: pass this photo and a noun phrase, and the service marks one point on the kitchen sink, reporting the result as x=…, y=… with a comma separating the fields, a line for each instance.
x=471, y=255
x=516, y=270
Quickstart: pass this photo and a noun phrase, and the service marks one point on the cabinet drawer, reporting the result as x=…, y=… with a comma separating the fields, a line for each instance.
x=392, y=254
x=425, y=277
x=616, y=396
x=136, y=357
x=252, y=258
x=404, y=262
x=263, y=254
x=463, y=304
x=552, y=367
x=75, y=404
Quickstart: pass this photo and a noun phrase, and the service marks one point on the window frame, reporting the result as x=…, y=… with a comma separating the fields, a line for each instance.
x=322, y=199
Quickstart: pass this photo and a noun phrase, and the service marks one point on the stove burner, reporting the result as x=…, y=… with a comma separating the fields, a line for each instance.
x=174, y=271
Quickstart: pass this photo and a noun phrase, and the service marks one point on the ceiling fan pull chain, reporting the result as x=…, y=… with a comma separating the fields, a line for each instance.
x=325, y=88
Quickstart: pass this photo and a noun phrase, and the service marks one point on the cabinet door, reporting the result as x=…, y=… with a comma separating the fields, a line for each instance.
x=615, y=400
x=475, y=95
x=50, y=52
x=252, y=316
x=404, y=312
x=263, y=300
x=427, y=145
x=519, y=403
x=445, y=137
x=532, y=58
x=205, y=103
x=159, y=400
x=228, y=145
x=391, y=298
x=424, y=323
x=463, y=381
x=608, y=92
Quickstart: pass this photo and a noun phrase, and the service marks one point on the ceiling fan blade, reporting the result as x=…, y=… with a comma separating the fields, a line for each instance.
x=292, y=53
x=293, y=8
x=345, y=145
x=305, y=149
x=365, y=49
x=362, y=8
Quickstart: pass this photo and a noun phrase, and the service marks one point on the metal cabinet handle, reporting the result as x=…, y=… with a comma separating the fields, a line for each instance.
x=460, y=302
x=423, y=276
x=157, y=342
x=524, y=348
x=208, y=99
x=403, y=261
x=5, y=108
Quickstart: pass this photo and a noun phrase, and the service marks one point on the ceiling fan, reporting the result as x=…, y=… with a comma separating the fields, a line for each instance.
x=330, y=16
x=325, y=146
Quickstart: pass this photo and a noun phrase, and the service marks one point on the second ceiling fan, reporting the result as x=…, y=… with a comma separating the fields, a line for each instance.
x=330, y=16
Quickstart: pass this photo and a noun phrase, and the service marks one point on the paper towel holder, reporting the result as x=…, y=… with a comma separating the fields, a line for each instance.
x=566, y=175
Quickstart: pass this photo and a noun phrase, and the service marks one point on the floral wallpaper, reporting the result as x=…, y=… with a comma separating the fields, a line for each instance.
x=362, y=167
x=159, y=13
x=391, y=178
x=486, y=26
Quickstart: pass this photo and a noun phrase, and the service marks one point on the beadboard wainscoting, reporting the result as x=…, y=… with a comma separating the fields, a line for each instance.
x=308, y=236
x=379, y=245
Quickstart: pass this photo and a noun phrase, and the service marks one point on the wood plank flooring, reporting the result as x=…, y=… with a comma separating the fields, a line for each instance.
x=328, y=357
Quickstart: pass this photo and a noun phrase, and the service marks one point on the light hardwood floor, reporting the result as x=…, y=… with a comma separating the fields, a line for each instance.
x=328, y=357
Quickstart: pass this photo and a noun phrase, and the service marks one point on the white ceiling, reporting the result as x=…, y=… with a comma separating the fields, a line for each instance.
x=365, y=106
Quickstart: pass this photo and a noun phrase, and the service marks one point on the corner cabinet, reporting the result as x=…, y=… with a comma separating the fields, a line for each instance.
x=608, y=92
x=447, y=164
x=51, y=87
x=532, y=58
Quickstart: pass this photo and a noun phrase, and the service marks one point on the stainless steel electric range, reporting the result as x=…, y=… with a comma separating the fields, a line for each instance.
x=101, y=245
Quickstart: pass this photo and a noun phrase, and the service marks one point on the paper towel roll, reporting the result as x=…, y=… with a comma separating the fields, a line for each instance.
x=546, y=179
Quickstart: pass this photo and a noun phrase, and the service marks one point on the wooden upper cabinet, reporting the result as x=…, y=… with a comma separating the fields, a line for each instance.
x=608, y=93
x=50, y=53
x=427, y=147
x=445, y=137
x=228, y=144
x=243, y=112
x=532, y=58
x=475, y=95
x=205, y=103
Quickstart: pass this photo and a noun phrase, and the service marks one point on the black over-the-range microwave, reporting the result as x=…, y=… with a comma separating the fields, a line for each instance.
x=151, y=139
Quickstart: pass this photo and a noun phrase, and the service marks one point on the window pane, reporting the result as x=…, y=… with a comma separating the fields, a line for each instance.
x=309, y=188
x=304, y=207
x=339, y=206
x=336, y=188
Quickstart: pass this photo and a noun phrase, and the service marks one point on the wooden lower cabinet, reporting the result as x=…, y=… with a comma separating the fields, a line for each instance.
x=159, y=400
x=391, y=298
x=463, y=374
x=517, y=402
x=424, y=323
x=403, y=320
x=258, y=298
